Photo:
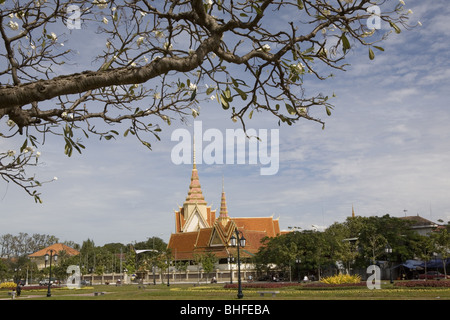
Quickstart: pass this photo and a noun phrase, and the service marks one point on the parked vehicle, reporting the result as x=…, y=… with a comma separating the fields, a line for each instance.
x=433, y=275
x=45, y=282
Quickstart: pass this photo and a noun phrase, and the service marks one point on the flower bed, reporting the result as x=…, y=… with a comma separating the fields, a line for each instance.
x=318, y=285
x=8, y=285
x=428, y=283
x=342, y=279
x=39, y=287
x=258, y=285
x=321, y=285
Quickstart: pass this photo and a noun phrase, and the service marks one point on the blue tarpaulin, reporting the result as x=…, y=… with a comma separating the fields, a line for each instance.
x=418, y=264
x=413, y=264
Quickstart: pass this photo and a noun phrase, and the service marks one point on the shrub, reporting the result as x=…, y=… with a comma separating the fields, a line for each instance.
x=8, y=285
x=341, y=279
x=322, y=285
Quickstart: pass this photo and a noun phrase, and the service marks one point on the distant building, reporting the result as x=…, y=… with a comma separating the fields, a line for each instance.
x=421, y=225
x=199, y=231
x=57, y=248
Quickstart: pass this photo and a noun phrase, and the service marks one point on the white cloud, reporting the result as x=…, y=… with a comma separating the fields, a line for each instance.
x=384, y=149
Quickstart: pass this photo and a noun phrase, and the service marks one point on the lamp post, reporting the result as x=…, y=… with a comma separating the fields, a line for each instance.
x=16, y=275
x=238, y=241
x=49, y=258
x=298, y=261
x=230, y=261
x=388, y=251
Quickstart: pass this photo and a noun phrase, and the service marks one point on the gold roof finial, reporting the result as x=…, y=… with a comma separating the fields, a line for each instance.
x=193, y=157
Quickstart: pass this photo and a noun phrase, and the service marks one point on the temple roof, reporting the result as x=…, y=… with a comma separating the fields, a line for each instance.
x=195, y=194
x=215, y=239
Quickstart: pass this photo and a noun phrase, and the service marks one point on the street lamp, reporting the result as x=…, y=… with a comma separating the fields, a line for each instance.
x=388, y=251
x=16, y=271
x=238, y=241
x=230, y=261
x=49, y=258
x=298, y=261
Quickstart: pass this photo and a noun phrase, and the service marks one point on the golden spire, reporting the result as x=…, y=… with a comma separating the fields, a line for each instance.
x=223, y=216
x=193, y=157
x=195, y=194
x=353, y=212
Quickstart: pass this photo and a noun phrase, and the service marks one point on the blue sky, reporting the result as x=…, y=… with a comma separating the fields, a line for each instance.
x=385, y=149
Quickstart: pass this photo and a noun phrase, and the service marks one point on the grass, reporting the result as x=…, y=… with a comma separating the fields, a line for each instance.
x=218, y=292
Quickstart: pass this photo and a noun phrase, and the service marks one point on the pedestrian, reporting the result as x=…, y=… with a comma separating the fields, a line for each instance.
x=18, y=289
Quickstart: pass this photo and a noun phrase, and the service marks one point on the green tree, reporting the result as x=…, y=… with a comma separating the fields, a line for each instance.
x=162, y=58
x=208, y=261
x=441, y=239
x=3, y=270
x=424, y=248
x=343, y=247
x=282, y=251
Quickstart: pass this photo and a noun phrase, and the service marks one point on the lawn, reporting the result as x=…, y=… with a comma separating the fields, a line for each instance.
x=219, y=292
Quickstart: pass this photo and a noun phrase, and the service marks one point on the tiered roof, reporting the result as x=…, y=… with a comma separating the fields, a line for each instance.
x=214, y=236
x=195, y=194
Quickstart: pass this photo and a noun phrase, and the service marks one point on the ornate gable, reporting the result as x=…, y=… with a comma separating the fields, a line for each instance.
x=195, y=221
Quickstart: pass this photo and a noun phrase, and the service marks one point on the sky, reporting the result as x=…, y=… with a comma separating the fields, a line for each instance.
x=384, y=150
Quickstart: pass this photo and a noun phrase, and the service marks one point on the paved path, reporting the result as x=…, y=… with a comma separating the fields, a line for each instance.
x=62, y=295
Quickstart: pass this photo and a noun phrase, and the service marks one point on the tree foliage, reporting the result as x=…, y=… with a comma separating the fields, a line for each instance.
x=161, y=59
x=355, y=243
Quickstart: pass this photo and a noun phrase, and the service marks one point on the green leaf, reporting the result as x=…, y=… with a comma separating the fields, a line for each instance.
x=227, y=94
x=379, y=48
x=396, y=28
x=193, y=95
x=224, y=102
x=345, y=43
x=290, y=109
x=328, y=111
x=371, y=54
x=209, y=90
x=148, y=145
x=300, y=4
x=241, y=93
x=24, y=145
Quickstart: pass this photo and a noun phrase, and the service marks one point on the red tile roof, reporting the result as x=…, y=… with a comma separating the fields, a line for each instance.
x=57, y=247
x=185, y=244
